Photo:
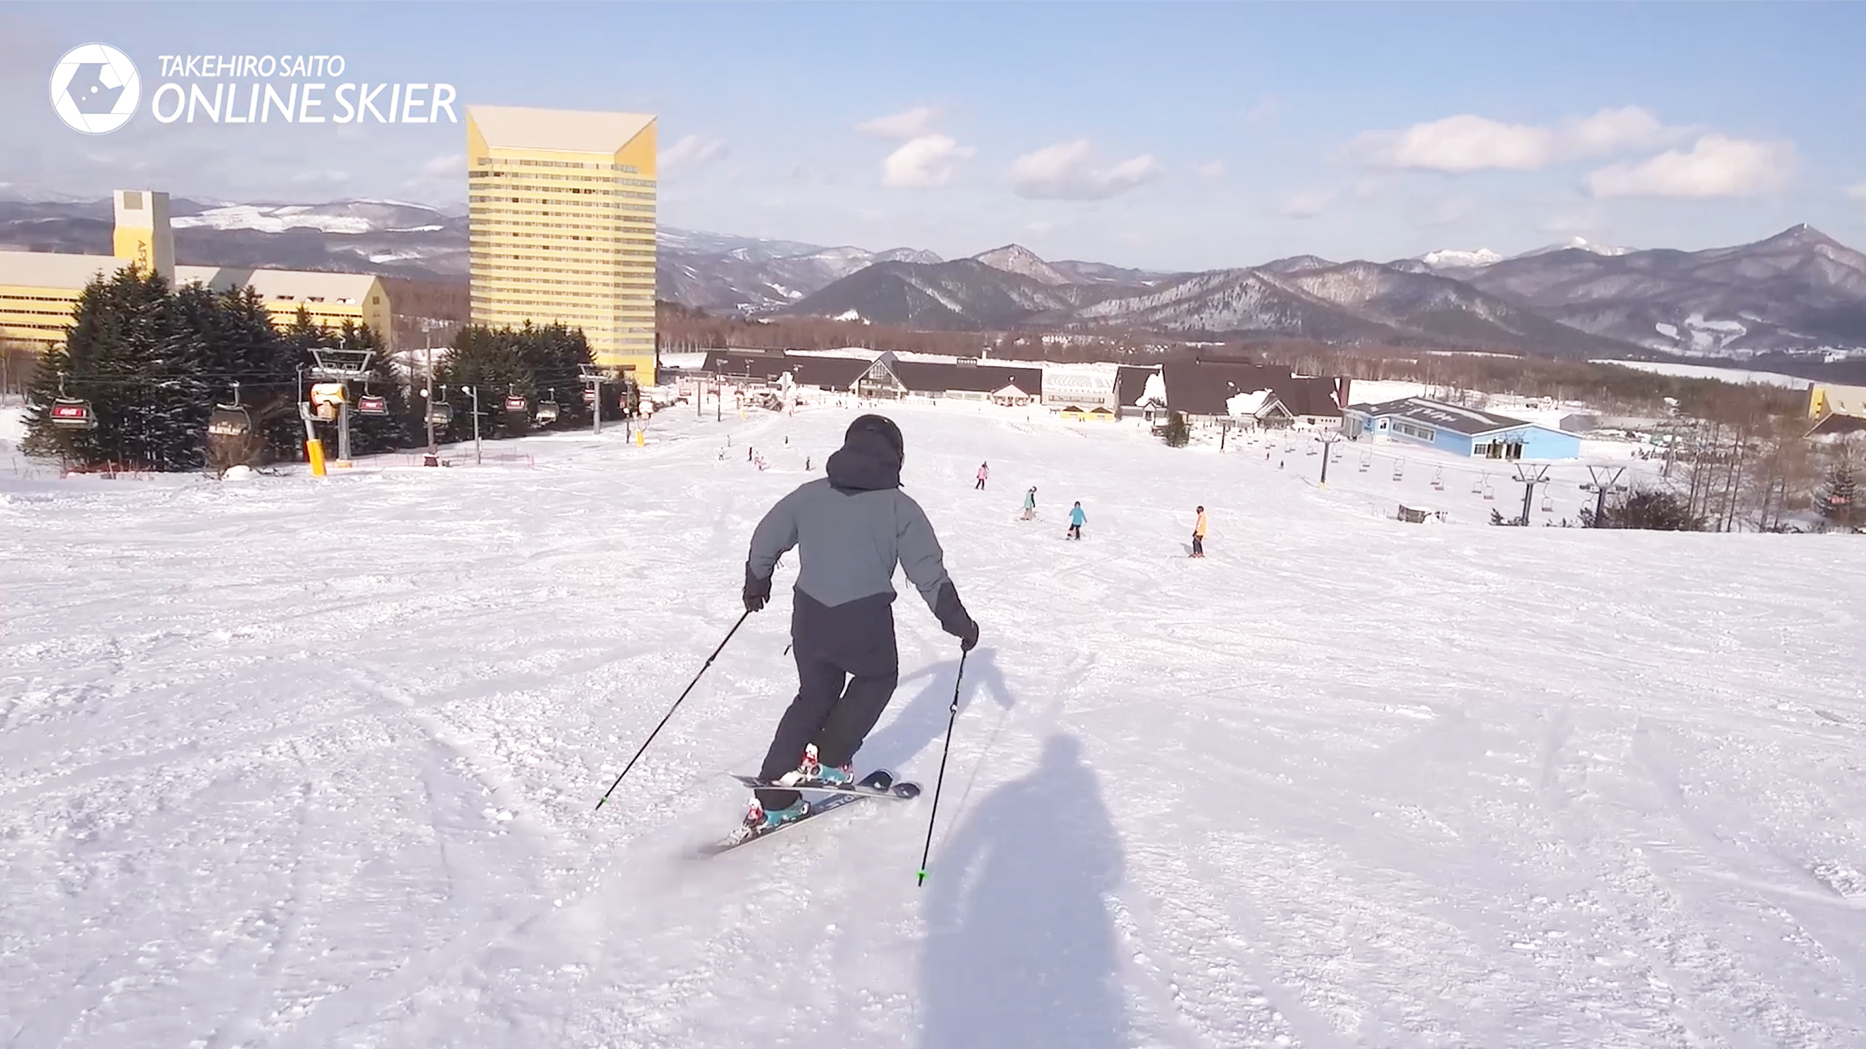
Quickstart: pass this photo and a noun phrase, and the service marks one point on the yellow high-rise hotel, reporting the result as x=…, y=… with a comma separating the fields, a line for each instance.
x=561, y=216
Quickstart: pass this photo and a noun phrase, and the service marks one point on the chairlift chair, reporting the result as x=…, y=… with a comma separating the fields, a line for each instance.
x=1438, y=479
x=72, y=414
x=372, y=404
x=1367, y=461
x=440, y=413
x=229, y=420
x=547, y=411
x=516, y=403
x=1399, y=469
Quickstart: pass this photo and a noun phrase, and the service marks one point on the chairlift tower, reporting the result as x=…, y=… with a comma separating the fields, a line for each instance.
x=1529, y=480
x=593, y=378
x=341, y=366
x=1606, y=482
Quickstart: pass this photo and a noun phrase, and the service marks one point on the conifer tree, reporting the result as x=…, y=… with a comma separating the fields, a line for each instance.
x=1836, y=501
x=1175, y=434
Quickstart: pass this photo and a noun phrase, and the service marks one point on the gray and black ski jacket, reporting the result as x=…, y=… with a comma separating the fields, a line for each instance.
x=851, y=530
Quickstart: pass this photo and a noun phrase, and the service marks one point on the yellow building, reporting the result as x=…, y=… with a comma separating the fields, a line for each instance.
x=38, y=289
x=561, y=216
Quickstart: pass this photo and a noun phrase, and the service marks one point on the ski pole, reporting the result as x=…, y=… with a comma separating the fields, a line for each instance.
x=945, y=749
x=670, y=710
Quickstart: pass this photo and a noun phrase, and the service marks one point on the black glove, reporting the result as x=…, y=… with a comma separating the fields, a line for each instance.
x=757, y=591
x=953, y=618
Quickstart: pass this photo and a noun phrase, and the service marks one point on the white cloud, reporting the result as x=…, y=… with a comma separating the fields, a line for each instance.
x=1308, y=204
x=926, y=158
x=1465, y=143
x=692, y=152
x=926, y=162
x=918, y=122
x=1212, y=169
x=1857, y=192
x=1265, y=111
x=449, y=164
x=1716, y=166
x=1066, y=172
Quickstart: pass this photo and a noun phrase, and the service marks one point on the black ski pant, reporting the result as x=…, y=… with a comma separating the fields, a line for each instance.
x=847, y=667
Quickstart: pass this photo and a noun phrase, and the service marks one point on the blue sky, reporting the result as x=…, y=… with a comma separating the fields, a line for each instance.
x=1159, y=135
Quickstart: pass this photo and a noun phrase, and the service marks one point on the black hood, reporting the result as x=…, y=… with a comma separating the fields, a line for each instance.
x=870, y=457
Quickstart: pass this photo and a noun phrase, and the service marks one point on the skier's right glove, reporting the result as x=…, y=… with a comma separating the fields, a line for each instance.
x=757, y=591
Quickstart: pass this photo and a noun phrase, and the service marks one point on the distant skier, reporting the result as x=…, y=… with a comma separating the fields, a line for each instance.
x=1198, y=535
x=851, y=530
x=984, y=471
x=1030, y=503
x=1076, y=520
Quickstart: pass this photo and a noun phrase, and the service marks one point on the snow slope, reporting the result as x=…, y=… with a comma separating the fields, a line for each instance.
x=311, y=763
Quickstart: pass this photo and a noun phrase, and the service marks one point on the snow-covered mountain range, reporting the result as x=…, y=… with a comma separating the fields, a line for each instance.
x=1797, y=292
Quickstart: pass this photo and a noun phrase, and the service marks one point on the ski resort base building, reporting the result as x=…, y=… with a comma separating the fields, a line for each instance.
x=1220, y=391
x=1837, y=411
x=1457, y=430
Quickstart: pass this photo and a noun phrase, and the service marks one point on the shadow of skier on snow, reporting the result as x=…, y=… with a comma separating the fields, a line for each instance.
x=1020, y=950
x=923, y=720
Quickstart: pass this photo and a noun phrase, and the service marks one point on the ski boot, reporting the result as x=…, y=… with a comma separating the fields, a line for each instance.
x=813, y=773
x=758, y=821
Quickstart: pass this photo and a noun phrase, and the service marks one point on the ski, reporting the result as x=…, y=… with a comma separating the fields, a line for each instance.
x=817, y=808
x=877, y=784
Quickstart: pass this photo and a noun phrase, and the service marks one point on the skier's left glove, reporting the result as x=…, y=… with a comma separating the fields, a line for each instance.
x=757, y=591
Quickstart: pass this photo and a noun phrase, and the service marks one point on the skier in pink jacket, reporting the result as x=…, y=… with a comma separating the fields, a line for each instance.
x=984, y=471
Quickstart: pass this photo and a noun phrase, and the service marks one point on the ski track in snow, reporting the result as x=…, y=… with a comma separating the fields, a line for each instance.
x=311, y=763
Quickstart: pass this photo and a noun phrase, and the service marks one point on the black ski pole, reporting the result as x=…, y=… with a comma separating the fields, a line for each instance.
x=670, y=710
x=945, y=749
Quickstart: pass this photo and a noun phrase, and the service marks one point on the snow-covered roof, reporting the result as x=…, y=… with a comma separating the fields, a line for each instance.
x=1468, y=421
x=44, y=269
x=557, y=130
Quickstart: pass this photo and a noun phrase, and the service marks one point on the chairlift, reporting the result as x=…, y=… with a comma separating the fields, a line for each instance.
x=1548, y=504
x=1399, y=469
x=372, y=404
x=547, y=411
x=230, y=420
x=589, y=396
x=440, y=413
x=1367, y=461
x=73, y=414
x=1489, y=492
x=1438, y=479
x=70, y=413
x=517, y=404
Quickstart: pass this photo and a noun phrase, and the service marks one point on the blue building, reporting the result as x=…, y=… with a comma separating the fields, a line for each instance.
x=1458, y=431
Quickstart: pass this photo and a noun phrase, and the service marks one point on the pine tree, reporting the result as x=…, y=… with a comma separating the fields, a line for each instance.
x=240, y=345
x=1176, y=434
x=1836, y=502
x=133, y=356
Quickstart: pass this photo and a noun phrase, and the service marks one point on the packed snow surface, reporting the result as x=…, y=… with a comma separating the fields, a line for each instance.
x=302, y=762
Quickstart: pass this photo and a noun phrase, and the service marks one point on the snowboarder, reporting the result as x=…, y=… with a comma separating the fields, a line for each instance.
x=1030, y=503
x=852, y=528
x=984, y=471
x=1076, y=520
x=1198, y=535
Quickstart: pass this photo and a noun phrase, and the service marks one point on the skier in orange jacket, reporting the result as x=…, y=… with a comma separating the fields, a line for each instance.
x=1198, y=535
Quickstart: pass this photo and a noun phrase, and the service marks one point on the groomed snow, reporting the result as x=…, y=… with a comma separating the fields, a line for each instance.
x=311, y=763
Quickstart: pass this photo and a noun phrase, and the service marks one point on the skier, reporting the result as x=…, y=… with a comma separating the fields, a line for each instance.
x=1198, y=535
x=984, y=471
x=852, y=528
x=1030, y=503
x=1076, y=520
